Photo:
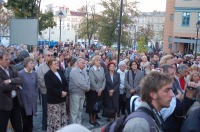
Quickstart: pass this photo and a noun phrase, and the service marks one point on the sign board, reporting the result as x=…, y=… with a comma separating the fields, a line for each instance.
x=24, y=31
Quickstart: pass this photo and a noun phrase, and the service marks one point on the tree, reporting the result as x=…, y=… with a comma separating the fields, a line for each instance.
x=89, y=25
x=46, y=20
x=29, y=9
x=145, y=32
x=4, y=19
x=142, y=46
x=108, y=21
x=23, y=8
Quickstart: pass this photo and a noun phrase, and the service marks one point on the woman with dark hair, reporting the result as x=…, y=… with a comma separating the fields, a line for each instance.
x=111, y=91
x=57, y=90
x=132, y=81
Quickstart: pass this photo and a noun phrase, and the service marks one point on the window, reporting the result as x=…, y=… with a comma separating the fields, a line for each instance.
x=170, y=39
x=199, y=16
x=171, y=17
x=186, y=19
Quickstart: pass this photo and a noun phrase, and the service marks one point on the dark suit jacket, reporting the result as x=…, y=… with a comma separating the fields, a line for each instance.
x=5, y=89
x=133, y=84
x=61, y=68
x=112, y=85
x=55, y=87
x=112, y=102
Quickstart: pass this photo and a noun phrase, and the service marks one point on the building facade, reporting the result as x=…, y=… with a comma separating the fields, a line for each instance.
x=156, y=21
x=180, y=31
x=70, y=22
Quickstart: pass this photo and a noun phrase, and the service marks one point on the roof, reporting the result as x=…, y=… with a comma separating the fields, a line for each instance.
x=75, y=13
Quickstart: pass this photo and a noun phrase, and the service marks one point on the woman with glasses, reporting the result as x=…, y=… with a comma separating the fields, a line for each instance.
x=57, y=90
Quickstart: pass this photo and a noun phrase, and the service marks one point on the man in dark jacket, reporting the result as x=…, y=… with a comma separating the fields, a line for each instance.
x=9, y=97
x=174, y=121
x=191, y=124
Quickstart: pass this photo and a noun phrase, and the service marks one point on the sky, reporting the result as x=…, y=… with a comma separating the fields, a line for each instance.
x=144, y=6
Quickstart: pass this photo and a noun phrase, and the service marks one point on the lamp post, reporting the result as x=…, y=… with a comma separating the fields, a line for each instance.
x=119, y=31
x=198, y=27
x=60, y=15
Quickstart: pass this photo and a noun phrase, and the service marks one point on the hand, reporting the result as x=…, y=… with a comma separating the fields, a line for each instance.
x=111, y=92
x=190, y=93
x=64, y=94
x=180, y=96
x=132, y=91
x=99, y=93
x=7, y=81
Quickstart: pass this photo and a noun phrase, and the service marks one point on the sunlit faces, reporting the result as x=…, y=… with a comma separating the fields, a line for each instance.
x=163, y=96
x=54, y=65
x=112, y=67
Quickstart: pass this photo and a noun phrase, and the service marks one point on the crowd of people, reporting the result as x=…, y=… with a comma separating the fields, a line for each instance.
x=64, y=77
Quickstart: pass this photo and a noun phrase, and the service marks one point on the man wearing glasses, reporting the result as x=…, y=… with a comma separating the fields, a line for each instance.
x=42, y=69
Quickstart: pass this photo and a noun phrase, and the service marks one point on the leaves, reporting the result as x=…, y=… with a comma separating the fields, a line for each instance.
x=29, y=9
x=142, y=45
x=46, y=20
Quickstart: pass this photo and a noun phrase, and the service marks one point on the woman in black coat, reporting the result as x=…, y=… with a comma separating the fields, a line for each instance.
x=57, y=90
x=111, y=91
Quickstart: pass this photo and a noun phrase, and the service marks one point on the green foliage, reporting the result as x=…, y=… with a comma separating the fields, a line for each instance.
x=28, y=9
x=23, y=8
x=108, y=21
x=142, y=45
x=146, y=32
x=89, y=25
x=46, y=20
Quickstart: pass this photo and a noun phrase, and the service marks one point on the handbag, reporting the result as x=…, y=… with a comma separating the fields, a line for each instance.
x=109, y=112
x=97, y=106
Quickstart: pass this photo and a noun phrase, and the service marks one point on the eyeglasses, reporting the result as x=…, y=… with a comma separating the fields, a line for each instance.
x=49, y=55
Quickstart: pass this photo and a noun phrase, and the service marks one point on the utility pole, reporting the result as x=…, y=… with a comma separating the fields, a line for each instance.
x=87, y=23
x=119, y=31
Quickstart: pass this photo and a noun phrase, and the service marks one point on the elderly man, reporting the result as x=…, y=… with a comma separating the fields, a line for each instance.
x=9, y=99
x=79, y=83
x=41, y=71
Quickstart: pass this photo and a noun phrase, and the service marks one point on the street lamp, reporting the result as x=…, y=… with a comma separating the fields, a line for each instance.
x=198, y=27
x=60, y=15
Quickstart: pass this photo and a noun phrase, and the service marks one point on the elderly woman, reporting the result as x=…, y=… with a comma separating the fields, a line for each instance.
x=143, y=63
x=57, y=89
x=111, y=92
x=122, y=94
x=29, y=94
x=97, y=85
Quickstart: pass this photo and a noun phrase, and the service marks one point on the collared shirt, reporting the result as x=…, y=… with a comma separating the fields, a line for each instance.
x=122, y=80
x=13, y=92
x=27, y=71
x=57, y=74
x=95, y=68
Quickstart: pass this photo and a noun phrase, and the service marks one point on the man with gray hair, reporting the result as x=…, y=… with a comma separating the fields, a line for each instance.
x=79, y=83
x=41, y=71
x=182, y=72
